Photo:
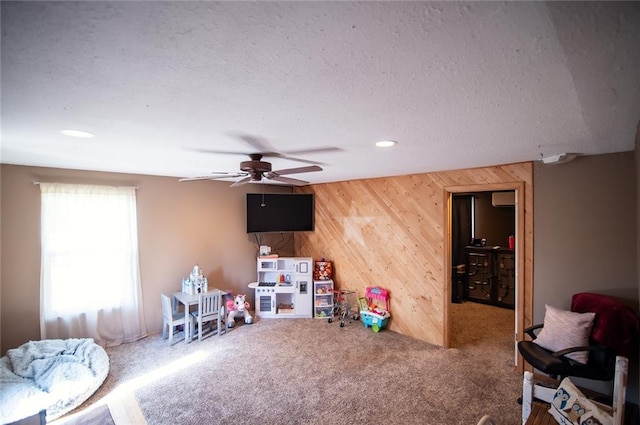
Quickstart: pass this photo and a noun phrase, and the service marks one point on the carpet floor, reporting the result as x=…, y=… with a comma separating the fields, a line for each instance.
x=309, y=371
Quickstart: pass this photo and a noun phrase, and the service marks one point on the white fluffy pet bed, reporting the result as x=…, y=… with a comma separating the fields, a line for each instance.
x=53, y=374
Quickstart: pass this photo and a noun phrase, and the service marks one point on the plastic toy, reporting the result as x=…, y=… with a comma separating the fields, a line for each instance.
x=323, y=270
x=238, y=306
x=371, y=314
x=344, y=306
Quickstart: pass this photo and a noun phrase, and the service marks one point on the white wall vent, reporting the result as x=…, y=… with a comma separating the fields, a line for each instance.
x=503, y=199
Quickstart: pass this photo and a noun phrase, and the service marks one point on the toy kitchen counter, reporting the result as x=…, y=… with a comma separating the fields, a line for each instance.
x=284, y=288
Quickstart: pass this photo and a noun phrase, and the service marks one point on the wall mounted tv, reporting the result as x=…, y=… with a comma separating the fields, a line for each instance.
x=280, y=212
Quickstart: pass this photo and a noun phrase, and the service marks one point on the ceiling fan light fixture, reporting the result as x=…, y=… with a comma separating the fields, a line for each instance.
x=77, y=133
x=386, y=143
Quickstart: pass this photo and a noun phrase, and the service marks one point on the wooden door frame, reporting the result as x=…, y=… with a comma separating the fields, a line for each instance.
x=524, y=298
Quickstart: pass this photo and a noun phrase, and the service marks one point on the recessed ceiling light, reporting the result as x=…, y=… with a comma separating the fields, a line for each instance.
x=386, y=143
x=76, y=133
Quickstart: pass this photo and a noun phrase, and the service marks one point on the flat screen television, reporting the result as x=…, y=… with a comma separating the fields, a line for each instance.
x=280, y=212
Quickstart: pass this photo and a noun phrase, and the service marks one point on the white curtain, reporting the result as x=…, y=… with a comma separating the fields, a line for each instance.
x=90, y=273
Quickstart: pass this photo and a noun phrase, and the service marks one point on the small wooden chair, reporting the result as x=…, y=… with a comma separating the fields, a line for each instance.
x=542, y=389
x=171, y=319
x=210, y=309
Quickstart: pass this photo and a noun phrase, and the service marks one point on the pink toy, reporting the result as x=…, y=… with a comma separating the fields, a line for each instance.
x=371, y=314
x=377, y=293
x=238, y=305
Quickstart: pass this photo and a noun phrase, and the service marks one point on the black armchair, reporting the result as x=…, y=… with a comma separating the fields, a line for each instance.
x=614, y=331
x=600, y=366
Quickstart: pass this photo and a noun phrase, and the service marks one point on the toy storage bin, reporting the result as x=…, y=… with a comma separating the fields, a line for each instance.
x=324, y=288
x=323, y=299
x=324, y=312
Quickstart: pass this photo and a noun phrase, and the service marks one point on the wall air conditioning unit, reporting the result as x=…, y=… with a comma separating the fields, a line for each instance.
x=503, y=199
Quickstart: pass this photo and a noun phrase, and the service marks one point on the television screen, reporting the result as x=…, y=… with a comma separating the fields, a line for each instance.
x=279, y=212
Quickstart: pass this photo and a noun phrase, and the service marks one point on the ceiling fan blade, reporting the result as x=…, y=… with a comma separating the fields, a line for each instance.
x=241, y=181
x=219, y=152
x=191, y=179
x=261, y=145
x=314, y=150
x=221, y=175
x=265, y=148
x=297, y=170
x=291, y=158
x=229, y=174
x=288, y=180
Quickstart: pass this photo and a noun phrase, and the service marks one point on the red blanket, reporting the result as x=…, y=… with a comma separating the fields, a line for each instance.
x=616, y=325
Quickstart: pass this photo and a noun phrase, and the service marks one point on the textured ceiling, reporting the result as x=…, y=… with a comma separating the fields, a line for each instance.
x=457, y=84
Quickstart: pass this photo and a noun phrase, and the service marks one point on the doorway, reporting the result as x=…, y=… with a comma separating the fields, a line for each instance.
x=518, y=261
x=482, y=248
x=483, y=273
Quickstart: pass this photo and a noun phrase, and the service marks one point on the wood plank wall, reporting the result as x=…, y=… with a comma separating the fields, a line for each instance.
x=391, y=232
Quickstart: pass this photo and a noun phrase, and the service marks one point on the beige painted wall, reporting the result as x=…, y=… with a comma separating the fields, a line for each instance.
x=586, y=235
x=585, y=230
x=179, y=225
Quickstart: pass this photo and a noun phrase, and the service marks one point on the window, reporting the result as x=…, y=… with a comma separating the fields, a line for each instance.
x=90, y=277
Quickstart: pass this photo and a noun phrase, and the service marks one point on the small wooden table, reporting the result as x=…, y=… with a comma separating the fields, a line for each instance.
x=189, y=300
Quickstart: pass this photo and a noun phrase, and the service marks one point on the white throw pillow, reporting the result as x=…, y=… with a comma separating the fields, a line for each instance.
x=566, y=329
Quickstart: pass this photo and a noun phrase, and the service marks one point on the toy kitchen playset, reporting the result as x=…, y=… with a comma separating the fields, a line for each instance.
x=284, y=286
